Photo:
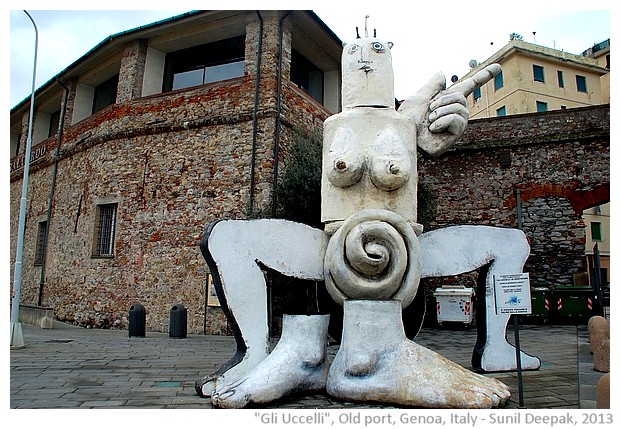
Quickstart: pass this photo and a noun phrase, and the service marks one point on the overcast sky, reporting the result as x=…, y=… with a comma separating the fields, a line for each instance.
x=438, y=36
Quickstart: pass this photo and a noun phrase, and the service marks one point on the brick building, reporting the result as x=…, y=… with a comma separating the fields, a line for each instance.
x=166, y=128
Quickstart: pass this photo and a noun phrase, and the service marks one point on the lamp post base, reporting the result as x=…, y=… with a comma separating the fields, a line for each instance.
x=17, y=338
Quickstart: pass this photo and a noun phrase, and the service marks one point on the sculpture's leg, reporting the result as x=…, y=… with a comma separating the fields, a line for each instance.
x=461, y=249
x=376, y=362
x=297, y=364
x=233, y=250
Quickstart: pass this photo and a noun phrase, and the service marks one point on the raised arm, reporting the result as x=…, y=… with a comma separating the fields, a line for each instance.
x=441, y=114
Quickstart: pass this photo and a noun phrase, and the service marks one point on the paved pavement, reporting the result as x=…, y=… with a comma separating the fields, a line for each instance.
x=70, y=367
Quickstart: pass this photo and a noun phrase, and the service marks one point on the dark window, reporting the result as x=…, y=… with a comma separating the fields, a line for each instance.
x=105, y=225
x=597, y=231
x=539, y=73
x=581, y=84
x=505, y=160
x=105, y=94
x=501, y=111
x=199, y=65
x=18, y=142
x=41, y=243
x=477, y=94
x=54, y=121
x=307, y=76
x=499, y=81
x=560, y=79
x=541, y=106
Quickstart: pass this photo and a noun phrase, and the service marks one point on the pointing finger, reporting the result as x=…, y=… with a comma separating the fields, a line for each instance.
x=476, y=81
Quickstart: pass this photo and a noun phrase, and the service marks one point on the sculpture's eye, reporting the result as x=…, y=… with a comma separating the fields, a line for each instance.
x=353, y=48
x=377, y=47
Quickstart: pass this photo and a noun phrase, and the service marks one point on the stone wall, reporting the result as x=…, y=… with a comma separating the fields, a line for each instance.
x=559, y=163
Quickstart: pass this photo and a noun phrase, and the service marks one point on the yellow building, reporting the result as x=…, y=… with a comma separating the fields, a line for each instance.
x=536, y=79
x=602, y=55
x=597, y=225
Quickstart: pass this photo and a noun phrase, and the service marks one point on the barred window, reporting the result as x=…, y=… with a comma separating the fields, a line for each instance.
x=41, y=243
x=103, y=243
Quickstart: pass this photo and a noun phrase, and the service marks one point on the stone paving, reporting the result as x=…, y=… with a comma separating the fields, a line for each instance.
x=71, y=367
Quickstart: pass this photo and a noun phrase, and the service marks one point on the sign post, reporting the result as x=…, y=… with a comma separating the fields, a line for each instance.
x=512, y=296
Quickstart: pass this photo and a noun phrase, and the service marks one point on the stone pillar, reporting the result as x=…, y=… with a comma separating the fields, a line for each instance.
x=602, y=392
x=131, y=73
x=601, y=356
x=599, y=333
x=598, y=330
x=24, y=133
x=270, y=48
x=264, y=162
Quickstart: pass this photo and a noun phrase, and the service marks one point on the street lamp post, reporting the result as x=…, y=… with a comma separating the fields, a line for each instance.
x=17, y=338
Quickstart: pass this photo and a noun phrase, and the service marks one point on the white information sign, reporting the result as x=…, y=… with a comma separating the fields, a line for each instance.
x=512, y=294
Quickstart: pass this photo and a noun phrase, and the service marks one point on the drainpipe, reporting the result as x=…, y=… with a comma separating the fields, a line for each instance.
x=255, y=112
x=276, y=150
x=519, y=215
x=52, y=189
x=486, y=87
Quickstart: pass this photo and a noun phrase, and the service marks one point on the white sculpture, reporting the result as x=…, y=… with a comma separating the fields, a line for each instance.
x=377, y=363
x=371, y=256
x=297, y=363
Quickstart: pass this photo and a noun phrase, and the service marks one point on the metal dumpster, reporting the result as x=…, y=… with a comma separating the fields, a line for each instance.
x=574, y=302
x=540, y=301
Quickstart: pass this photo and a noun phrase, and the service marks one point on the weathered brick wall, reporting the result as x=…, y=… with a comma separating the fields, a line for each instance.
x=559, y=161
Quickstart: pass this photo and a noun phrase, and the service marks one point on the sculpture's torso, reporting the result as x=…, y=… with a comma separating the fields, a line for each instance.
x=369, y=162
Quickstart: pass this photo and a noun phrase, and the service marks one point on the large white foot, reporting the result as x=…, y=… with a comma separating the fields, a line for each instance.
x=207, y=385
x=298, y=363
x=377, y=363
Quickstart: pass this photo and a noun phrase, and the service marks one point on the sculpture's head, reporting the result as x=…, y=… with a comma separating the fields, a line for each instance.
x=367, y=75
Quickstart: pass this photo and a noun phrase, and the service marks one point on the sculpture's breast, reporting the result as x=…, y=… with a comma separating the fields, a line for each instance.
x=369, y=161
